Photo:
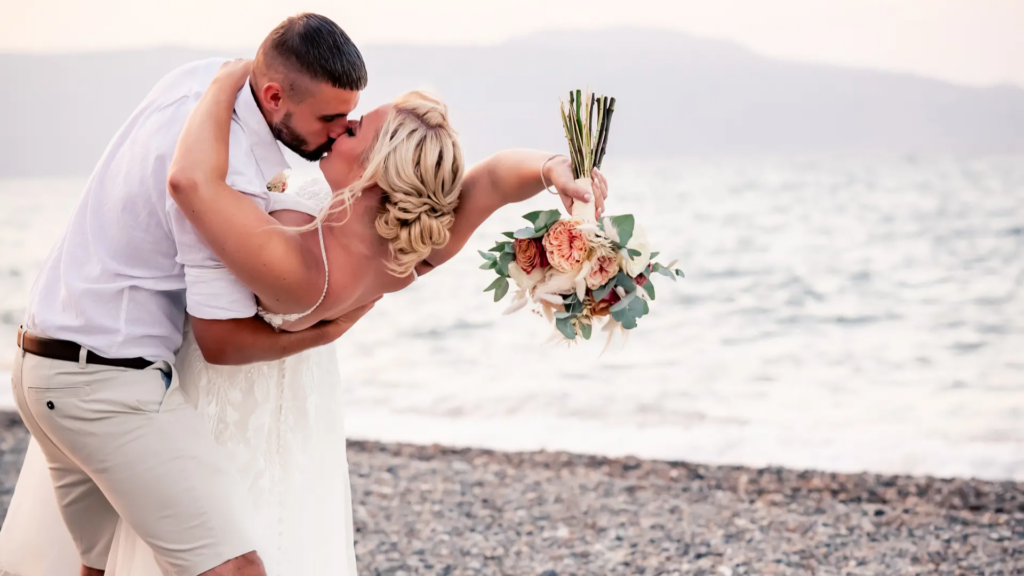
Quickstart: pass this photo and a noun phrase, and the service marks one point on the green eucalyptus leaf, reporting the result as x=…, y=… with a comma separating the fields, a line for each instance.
x=510, y=247
x=585, y=330
x=510, y=235
x=626, y=282
x=494, y=285
x=624, y=226
x=619, y=314
x=654, y=255
x=664, y=272
x=633, y=253
x=491, y=265
x=637, y=307
x=533, y=216
x=547, y=218
x=628, y=322
x=503, y=261
x=523, y=233
x=501, y=290
x=488, y=256
x=574, y=307
x=649, y=288
x=602, y=292
x=680, y=274
x=565, y=326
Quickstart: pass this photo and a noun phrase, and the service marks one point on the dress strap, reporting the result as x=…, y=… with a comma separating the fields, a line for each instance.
x=276, y=320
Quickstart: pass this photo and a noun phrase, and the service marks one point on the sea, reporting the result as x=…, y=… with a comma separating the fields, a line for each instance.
x=843, y=314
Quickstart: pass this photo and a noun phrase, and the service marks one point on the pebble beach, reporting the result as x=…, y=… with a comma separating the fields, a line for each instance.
x=447, y=511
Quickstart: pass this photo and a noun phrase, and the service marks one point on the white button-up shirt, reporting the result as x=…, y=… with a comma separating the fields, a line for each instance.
x=128, y=267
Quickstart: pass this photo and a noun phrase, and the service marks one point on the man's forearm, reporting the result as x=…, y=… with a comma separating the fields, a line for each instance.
x=249, y=340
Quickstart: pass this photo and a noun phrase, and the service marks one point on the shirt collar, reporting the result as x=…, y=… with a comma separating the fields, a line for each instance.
x=268, y=154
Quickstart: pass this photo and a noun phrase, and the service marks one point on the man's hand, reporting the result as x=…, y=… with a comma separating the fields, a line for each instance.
x=559, y=173
x=333, y=329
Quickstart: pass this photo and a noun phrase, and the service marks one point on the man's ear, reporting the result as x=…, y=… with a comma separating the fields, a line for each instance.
x=272, y=96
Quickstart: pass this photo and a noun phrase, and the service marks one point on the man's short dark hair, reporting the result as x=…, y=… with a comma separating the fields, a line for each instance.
x=317, y=47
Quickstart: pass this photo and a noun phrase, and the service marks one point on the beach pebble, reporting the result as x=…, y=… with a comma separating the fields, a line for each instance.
x=453, y=512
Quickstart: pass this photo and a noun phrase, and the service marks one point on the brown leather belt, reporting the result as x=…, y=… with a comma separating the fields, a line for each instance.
x=69, y=352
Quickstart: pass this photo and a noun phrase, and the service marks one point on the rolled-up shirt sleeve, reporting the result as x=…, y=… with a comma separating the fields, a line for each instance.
x=212, y=292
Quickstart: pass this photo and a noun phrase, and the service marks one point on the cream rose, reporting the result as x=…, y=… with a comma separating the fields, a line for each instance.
x=640, y=243
x=524, y=281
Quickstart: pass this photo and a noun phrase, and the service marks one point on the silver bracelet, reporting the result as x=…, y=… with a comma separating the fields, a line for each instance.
x=545, y=165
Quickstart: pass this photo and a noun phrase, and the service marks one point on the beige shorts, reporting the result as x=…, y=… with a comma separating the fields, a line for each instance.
x=120, y=443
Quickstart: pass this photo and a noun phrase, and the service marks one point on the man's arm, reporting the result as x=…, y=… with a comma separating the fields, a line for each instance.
x=249, y=340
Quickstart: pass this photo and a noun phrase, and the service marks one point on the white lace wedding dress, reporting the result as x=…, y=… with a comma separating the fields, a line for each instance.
x=279, y=422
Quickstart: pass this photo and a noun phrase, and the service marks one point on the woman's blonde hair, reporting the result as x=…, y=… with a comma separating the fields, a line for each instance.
x=416, y=160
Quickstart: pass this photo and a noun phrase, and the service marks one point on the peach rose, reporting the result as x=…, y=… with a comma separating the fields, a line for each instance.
x=530, y=255
x=604, y=269
x=566, y=246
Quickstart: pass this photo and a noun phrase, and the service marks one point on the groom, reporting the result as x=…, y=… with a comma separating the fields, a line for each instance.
x=93, y=378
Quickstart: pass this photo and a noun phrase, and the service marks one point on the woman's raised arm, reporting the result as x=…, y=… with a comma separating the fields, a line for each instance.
x=265, y=256
x=505, y=178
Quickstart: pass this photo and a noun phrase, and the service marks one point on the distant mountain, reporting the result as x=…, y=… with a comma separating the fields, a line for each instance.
x=676, y=95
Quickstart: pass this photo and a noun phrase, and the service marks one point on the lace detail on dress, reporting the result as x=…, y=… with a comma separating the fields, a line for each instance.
x=281, y=423
x=316, y=191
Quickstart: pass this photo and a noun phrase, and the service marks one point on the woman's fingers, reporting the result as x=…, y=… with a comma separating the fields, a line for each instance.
x=235, y=71
x=600, y=183
x=600, y=186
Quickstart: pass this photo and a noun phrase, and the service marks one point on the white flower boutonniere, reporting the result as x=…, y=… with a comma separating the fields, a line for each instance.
x=279, y=183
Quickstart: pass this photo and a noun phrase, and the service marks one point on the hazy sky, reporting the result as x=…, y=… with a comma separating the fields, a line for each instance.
x=968, y=41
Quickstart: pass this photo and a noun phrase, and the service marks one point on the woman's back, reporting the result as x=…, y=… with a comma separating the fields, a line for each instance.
x=354, y=254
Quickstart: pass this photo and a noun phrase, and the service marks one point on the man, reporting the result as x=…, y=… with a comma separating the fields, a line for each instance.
x=93, y=379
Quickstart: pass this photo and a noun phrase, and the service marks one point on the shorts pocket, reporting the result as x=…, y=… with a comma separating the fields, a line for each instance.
x=57, y=393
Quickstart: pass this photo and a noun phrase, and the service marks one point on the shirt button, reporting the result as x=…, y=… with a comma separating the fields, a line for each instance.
x=49, y=404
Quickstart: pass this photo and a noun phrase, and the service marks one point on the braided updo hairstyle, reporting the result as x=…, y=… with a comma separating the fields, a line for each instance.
x=417, y=162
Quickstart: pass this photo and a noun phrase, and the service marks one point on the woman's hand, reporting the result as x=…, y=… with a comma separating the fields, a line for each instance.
x=233, y=74
x=559, y=173
x=201, y=156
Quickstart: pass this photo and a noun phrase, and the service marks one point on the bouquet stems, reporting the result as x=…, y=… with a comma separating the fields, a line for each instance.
x=586, y=125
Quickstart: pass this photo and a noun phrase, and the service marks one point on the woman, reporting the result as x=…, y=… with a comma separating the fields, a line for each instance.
x=402, y=207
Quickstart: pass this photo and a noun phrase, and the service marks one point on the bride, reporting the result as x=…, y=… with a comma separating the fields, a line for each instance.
x=400, y=206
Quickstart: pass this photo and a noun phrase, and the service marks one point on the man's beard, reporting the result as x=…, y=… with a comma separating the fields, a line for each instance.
x=287, y=135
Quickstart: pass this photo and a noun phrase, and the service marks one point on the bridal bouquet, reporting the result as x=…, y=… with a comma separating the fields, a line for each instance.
x=578, y=271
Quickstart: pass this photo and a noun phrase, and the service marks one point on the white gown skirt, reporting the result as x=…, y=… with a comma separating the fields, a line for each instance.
x=280, y=422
